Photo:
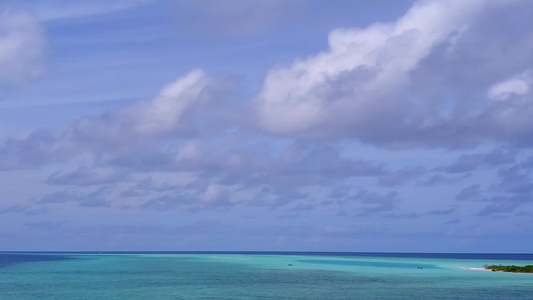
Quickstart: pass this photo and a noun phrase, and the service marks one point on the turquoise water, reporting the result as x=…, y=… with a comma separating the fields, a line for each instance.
x=254, y=276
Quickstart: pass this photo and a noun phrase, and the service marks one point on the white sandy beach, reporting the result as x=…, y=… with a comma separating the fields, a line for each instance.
x=475, y=269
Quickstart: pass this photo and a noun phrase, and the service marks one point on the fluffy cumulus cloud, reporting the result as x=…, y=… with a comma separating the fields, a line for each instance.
x=36, y=149
x=166, y=114
x=174, y=112
x=443, y=73
x=22, y=46
x=517, y=86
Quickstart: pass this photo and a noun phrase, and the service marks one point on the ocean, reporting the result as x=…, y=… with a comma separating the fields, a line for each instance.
x=260, y=275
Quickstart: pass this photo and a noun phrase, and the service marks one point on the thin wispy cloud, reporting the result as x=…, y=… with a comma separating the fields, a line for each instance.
x=22, y=47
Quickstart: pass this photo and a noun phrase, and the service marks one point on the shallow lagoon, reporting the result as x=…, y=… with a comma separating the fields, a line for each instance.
x=256, y=276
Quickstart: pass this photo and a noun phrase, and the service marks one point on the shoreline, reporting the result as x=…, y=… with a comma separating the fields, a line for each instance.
x=476, y=269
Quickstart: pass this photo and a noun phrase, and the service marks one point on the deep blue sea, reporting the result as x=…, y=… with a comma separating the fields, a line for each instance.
x=260, y=275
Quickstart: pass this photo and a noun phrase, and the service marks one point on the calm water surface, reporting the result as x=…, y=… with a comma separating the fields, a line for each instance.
x=260, y=276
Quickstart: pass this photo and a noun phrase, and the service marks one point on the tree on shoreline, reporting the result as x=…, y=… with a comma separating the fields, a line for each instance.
x=511, y=268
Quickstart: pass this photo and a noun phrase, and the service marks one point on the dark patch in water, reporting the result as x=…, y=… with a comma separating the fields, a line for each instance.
x=7, y=259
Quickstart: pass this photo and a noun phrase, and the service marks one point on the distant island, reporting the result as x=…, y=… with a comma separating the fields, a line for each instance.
x=512, y=268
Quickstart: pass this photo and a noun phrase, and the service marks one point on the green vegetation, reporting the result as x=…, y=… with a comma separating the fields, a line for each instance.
x=513, y=268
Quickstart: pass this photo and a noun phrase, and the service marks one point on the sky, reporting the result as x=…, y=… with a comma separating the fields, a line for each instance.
x=305, y=125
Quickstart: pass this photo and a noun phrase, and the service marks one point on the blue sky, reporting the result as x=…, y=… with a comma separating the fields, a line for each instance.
x=266, y=125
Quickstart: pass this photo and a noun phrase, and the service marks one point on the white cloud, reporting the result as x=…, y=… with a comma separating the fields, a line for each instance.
x=374, y=60
x=163, y=113
x=512, y=105
x=167, y=114
x=415, y=80
x=215, y=193
x=65, y=9
x=189, y=151
x=180, y=111
x=518, y=85
x=22, y=46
